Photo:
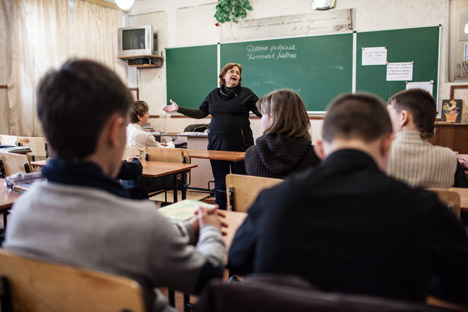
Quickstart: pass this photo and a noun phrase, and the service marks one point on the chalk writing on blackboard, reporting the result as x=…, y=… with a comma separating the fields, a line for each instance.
x=271, y=52
x=288, y=26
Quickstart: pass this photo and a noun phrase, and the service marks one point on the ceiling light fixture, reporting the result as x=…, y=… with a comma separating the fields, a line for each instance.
x=125, y=4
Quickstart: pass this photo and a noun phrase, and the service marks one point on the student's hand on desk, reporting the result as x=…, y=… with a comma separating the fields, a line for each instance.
x=171, y=108
x=212, y=216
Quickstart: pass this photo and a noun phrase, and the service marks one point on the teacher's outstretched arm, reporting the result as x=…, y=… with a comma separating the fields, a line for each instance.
x=171, y=108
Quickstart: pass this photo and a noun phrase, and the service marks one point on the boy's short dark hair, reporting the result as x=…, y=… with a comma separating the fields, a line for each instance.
x=138, y=109
x=421, y=105
x=75, y=102
x=356, y=116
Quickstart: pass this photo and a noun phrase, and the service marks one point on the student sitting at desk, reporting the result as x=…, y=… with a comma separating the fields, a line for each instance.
x=345, y=226
x=413, y=159
x=285, y=145
x=81, y=216
x=136, y=135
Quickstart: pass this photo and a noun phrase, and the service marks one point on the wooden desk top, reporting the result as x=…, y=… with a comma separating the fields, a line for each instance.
x=152, y=169
x=234, y=219
x=463, y=197
x=39, y=163
x=6, y=198
x=216, y=155
x=156, y=169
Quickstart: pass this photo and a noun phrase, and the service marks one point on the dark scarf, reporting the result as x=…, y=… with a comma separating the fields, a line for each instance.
x=82, y=174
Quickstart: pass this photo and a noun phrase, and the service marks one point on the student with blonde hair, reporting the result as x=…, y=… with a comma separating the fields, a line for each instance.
x=285, y=145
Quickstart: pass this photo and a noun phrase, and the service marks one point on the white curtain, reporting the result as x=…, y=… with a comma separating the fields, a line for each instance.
x=45, y=34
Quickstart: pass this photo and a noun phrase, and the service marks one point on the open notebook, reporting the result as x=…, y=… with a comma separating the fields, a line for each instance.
x=182, y=210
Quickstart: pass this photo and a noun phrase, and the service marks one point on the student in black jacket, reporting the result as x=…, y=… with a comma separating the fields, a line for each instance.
x=229, y=106
x=285, y=145
x=345, y=226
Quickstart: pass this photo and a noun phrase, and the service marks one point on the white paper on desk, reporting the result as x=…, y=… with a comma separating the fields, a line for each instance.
x=425, y=85
x=374, y=56
x=400, y=71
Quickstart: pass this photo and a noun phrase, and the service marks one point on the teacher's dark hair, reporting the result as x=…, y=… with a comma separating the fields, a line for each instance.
x=422, y=106
x=288, y=113
x=356, y=116
x=225, y=69
x=75, y=102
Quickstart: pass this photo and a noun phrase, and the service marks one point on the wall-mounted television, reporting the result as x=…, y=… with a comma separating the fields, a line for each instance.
x=136, y=40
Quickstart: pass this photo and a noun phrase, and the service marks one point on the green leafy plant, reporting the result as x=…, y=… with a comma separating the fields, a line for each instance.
x=231, y=10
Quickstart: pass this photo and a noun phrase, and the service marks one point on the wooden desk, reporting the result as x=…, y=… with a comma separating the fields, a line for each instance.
x=157, y=169
x=463, y=197
x=154, y=169
x=38, y=163
x=201, y=177
x=234, y=219
x=451, y=135
x=6, y=198
x=217, y=155
x=151, y=169
x=6, y=201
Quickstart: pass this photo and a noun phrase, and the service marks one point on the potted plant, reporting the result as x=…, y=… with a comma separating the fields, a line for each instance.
x=231, y=10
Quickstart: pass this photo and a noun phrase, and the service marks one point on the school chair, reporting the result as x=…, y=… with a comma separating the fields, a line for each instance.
x=11, y=163
x=8, y=139
x=38, y=146
x=29, y=285
x=177, y=155
x=242, y=190
x=131, y=151
x=293, y=294
x=450, y=198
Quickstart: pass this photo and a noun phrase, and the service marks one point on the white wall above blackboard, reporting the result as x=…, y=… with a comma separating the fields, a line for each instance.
x=288, y=26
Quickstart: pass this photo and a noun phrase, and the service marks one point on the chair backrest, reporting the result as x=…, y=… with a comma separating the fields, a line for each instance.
x=449, y=198
x=131, y=151
x=43, y=286
x=177, y=155
x=11, y=163
x=286, y=293
x=8, y=139
x=38, y=146
x=242, y=190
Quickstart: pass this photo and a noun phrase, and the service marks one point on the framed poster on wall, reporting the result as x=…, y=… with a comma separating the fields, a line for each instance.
x=461, y=92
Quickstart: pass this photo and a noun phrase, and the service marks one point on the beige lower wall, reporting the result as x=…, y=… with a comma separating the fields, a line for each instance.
x=178, y=125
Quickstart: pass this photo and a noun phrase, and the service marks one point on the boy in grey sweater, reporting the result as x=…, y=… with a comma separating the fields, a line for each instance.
x=83, y=217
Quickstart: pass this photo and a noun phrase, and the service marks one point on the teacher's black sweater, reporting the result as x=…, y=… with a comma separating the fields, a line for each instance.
x=230, y=125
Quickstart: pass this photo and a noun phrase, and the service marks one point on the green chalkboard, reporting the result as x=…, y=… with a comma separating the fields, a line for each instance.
x=191, y=73
x=318, y=68
x=418, y=45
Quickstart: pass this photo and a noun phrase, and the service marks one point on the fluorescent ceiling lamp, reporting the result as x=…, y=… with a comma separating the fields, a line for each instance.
x=125, y=4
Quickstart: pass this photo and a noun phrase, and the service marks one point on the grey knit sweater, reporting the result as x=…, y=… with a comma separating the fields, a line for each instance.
x=91, y=228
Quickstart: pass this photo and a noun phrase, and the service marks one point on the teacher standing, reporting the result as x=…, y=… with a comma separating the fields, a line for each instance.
x=229, y=106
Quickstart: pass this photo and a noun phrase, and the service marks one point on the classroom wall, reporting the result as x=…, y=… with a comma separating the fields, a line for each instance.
x=5, y=67
x=456, y=46
x=191, y=22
